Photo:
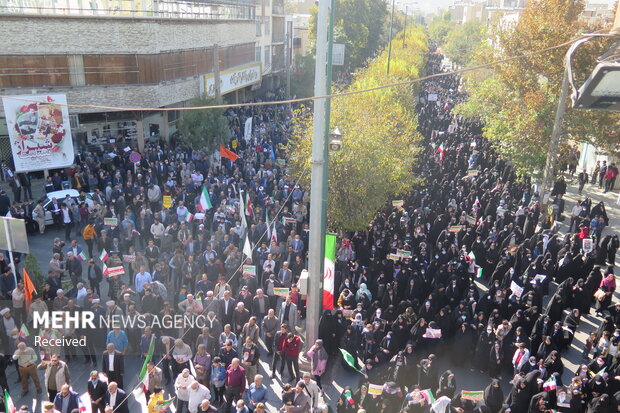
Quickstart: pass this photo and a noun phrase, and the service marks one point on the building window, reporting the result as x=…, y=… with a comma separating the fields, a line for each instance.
x=258, y=24
x=267, y=61
x=257, y=54
x=267, y=25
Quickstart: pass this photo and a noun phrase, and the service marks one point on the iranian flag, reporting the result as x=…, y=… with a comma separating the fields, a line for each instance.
x=441, y=152
x=205, y=200
x=428, y=395
x=550, y=384
x=249, y=211
x=143, y=376
x=84, y=403
x=328, y=275
x=189, y=217
x=104, y=255
x=82, y=256
x=9, y=407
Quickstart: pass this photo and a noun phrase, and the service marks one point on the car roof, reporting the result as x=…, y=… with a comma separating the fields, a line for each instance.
x=63, y=193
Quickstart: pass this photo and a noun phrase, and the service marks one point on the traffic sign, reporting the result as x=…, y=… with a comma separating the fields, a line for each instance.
x=135, y=157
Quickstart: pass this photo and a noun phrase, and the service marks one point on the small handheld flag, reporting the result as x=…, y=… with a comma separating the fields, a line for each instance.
x=104, y=255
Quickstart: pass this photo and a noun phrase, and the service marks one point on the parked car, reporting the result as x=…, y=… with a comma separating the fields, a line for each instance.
x=60, y=196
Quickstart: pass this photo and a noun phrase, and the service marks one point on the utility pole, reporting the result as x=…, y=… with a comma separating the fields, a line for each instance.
x=318, y=187
x=552, y=154
x=405, y=28
x=390, y=45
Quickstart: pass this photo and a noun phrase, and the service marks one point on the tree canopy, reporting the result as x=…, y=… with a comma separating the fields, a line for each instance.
x=518, y=98
x=379, y=137
x=205, y=129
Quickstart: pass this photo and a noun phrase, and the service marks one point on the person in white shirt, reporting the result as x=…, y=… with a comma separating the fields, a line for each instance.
x=574, y=217
x=181, y=387
x=197, y=393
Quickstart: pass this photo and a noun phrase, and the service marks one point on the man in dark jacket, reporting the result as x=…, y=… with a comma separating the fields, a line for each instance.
x=66, y=400
x=116, y=398
x=96, y=390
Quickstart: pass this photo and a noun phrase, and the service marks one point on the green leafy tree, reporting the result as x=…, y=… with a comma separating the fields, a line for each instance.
x=205, y=129
x=360, y=25
x=462, y=40
x=440, y=26
x=518, y=98
x=379, y=141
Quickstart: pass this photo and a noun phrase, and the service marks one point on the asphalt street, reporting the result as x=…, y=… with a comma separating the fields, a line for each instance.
x=336, y=377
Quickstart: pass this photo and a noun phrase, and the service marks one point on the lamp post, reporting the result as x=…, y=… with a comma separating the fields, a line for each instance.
x=390, y=42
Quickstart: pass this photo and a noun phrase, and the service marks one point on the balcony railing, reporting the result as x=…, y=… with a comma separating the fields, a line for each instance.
x=210, y=10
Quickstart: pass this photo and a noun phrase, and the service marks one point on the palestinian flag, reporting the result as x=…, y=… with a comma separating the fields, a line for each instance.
x=82, y=256
x=441, y=152
x=348, y=358
x=104, y=255
x=9, y=407
x=205, y=200
x=428, y=396
x=189, y=217
x=329, y=271
x=550, y=384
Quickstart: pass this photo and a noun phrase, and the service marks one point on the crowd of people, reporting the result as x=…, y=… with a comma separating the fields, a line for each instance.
x=460, y=274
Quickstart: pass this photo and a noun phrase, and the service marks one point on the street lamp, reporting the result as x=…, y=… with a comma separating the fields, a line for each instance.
x=335, y=140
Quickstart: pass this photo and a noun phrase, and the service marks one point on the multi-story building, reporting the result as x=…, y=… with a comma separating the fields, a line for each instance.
x=273, y=41
x=118, y=54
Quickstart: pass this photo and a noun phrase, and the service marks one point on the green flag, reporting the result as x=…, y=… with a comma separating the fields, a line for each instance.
x=9, y=406
x=148, y=358
x=348, y=358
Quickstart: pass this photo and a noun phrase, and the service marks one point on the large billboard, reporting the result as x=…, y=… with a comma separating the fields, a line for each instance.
x=39, y=131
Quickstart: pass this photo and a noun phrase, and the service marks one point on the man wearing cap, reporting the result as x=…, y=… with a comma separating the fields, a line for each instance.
x=60, y=301
x=181, y=387
x=26, y=360
x=190, y=304
x=112, y=364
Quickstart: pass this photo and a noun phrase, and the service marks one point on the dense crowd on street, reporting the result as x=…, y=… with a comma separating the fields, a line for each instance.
x=460, y=272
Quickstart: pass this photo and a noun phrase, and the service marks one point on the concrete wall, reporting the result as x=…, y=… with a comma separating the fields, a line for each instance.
x=100, y=35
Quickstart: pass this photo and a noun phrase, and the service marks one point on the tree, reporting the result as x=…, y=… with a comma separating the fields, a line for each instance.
x=379, y=142
x=204, y=129
x=518, y=98
x=462, y=40
x=440, y=26
x=360, y=25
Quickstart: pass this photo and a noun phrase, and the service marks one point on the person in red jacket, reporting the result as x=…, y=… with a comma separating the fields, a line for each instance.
x=235, y=382
x=279, y=340
x=292, y=347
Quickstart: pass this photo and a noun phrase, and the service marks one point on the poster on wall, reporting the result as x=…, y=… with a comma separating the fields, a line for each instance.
x=39, y=131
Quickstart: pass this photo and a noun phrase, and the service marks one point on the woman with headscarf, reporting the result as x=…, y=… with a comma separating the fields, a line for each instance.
x=519, y=397
x=346, y=404
x=608, y=286
x=494, y=396
x=400, y=331
x=495, y=360
x=545, y=348
x=447, y=385
x=553, y=364
x=417, y=333
x=318, y=360
x=463, y=345
x=483, y=347
x=579, y=298
x=363, y=290
x=363, y=400
x=328, y=332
